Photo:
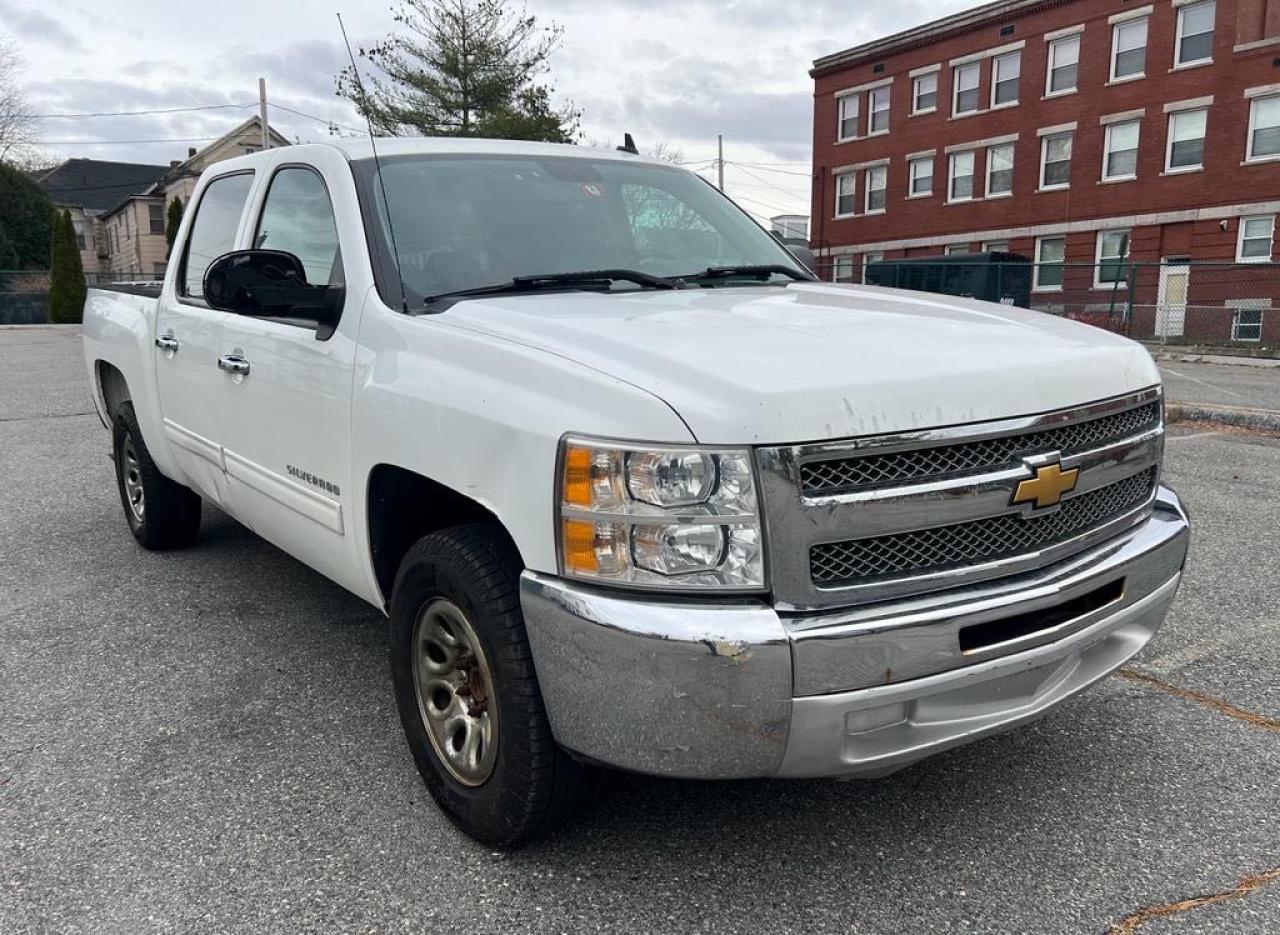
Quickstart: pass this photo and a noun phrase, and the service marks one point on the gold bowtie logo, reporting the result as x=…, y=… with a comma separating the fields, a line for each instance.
x=1047, y=487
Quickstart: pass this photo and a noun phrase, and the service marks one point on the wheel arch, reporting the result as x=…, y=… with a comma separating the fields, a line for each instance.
x=402, y=506
x=113, y=389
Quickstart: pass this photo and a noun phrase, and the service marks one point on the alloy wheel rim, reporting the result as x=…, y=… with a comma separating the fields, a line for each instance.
x=454, y=688
x=133, y=481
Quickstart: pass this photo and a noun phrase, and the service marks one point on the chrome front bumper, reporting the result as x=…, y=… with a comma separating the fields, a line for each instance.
x=736, y=690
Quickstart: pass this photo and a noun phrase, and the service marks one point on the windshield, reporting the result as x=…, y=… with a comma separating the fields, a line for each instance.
x=465, y=221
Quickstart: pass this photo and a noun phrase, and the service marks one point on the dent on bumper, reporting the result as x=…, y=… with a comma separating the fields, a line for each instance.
x=696, y=690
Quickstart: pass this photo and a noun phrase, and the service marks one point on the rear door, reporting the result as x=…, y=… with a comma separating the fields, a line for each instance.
x=192, y=388
x=287, y=441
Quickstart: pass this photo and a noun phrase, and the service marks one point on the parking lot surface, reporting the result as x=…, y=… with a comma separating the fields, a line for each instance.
x=206, y=741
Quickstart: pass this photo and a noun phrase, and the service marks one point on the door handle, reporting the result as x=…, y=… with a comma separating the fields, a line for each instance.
x=233, y=363
x=167, y=343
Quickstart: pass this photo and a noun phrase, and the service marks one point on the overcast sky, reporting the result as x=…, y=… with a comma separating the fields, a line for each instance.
x=677, y=71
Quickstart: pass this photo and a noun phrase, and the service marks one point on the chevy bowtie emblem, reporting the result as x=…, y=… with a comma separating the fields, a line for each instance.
x=1047, y=487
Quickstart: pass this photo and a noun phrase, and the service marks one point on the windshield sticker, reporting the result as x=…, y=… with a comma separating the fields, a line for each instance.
x=592, y=190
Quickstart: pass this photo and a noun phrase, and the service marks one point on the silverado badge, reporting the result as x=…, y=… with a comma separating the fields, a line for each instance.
x=1048, y=485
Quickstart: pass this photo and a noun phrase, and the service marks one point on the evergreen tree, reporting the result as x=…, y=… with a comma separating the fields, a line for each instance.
x=67, y=288
x=462, y=68
x=27, y=214
x=8, y=258
x=172, y=223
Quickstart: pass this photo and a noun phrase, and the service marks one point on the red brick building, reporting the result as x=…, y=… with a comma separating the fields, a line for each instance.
x=1103, y=133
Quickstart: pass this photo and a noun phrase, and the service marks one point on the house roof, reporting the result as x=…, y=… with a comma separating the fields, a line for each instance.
x=956, y=24
x=96, y=185
x=193, y=165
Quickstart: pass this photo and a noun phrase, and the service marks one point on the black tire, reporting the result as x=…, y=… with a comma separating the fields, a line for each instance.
x=534, y=786
x=169, y=513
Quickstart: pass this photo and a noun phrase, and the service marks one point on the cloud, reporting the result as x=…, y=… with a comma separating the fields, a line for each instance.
x=35, y=26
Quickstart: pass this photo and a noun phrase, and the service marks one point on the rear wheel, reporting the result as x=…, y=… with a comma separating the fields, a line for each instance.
x=468, y=694
x=162, y=514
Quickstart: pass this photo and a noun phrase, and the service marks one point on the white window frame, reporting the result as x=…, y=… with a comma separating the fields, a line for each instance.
x=843, y=259
x=842, y=117
x=1049, y=65
x=852, y=175
x=951, y=175
x=1235, y=322
x=987, y=192
x=867, y=260
x=1271, y=234
x=1253, y=126
x=989, y=246
x=1106, y=150
x=1178, y=36
x=976, y=68
x=868, y=174
x=1016, y=55
x=1038, y=262
x=1044, y=163
x=911, y=176
x=1098, y=282
x=1145, y=23
x=1173, y=117
x=957, y=249
x=872, y=110
x=915, y=93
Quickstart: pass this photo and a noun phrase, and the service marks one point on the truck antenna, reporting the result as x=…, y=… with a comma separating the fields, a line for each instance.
x=377, y=166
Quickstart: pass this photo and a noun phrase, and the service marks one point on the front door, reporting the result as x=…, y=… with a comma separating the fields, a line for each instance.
x=1171, y=302
x=192, y=400
x=287, y=442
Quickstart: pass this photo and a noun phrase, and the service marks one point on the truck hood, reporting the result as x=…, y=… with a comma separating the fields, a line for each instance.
x=811, y=361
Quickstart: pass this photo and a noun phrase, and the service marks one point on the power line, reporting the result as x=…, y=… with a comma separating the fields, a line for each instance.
x=166, y=139
x=772, y=207
x=764, y=167
x=768, y=184
x=324, y=120
x=137, y=113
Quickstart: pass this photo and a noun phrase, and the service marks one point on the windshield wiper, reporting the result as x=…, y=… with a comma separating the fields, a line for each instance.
x=760, y=272
x=593, y=277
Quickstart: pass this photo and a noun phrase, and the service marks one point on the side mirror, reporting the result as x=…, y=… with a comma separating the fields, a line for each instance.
x=269, y=284
x=805, y=256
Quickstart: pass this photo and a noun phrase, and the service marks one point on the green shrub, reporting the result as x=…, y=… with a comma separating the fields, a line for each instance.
x=67, y=288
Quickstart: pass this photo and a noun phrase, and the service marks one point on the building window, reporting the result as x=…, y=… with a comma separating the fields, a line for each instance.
x=157, y=270
x=1255, y=239
x=956, y=249
x=1000, y=170
x=1129, y=49
x=1050, y=253
x=995, y=246
x=867, y=260
x=844, y=194
x=156, y=216
x=924, y=94
x=1186, y=140
x=1055, y=160
x=1194, y=43
x=842, y=268
x=1120, y=151
x=1246, y=324
x=921, y=174
x=878, y=111
x=848, y=117
x=1064, y=62
x=80, y=238
x=1113, y=250
x=961, y=176
x=1264, y=128
x=877, y=179
x=1005, y=71
x=966, y=90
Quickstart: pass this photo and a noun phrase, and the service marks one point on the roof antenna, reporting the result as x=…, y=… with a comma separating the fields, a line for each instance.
x=377, y=166
x=628, y=145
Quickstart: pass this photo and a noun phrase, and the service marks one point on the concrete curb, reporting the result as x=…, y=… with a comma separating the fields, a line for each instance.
x=1220, y=359
x=1258, y=420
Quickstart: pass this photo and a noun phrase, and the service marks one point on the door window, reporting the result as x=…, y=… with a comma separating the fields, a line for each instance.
x=298, y=218
x=214, y=231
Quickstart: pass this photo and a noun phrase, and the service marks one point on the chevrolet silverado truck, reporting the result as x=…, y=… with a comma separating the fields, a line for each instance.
x=632, y=487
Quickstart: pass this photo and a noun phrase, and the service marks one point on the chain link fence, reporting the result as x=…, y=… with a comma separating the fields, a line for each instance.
x=24, y=294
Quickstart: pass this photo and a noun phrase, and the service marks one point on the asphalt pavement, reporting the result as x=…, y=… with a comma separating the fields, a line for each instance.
x=1236, y=385
x=206, y=741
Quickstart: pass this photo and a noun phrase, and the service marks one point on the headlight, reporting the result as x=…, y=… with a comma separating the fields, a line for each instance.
x=657, y=517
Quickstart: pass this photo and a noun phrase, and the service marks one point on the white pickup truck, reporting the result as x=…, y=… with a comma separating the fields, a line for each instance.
x=633, y=488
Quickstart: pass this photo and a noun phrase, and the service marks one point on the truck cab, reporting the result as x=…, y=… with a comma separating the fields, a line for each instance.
x=633, y=489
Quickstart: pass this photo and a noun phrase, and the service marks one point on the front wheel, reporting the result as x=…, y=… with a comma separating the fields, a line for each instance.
x=162, y=514
x=467, y=692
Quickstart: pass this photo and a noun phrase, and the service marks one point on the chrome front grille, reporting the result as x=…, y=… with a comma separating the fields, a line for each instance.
x=874, y=470
x=890, y=516
x=982, y=540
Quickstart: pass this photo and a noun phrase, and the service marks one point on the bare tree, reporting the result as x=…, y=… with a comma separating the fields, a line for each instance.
x=16, y=124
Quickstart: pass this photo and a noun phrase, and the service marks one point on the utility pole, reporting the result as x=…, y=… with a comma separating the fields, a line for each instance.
x=720, y=161
x=262, y=113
